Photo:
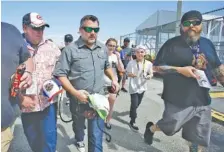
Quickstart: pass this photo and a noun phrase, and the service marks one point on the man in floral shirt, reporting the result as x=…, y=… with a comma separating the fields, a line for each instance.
x=39, y=115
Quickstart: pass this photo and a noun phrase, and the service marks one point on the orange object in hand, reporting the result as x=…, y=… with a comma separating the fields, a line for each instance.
x=16, y=80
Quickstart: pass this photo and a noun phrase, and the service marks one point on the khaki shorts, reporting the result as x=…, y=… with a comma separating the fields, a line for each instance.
x=6, y=138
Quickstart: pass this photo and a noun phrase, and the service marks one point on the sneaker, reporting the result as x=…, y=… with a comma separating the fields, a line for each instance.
x=80, y=146
x=108, y=125
x=133, y=127
x=124, y=90
x=148, y=135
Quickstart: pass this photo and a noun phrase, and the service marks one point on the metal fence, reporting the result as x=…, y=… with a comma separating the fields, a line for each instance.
x=213, y=29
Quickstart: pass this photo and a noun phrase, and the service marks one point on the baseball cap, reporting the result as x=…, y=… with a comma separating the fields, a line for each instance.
x=138, y=47
x=34, y=19
x=68, y=38
x=51, y=88
x=126, y=39
x=99, y=103
x=193, y=14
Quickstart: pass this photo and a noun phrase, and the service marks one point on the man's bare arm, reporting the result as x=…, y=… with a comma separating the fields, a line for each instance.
x=26, y=79
x=165, y=69
x=187, y=71
x=66, y=84
x=29, y=65
x=219, y=74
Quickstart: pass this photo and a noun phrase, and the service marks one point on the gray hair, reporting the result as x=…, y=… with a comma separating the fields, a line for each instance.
x=89, y=17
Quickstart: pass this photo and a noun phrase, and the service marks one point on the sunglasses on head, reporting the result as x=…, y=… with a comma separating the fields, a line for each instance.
x=90, y=29
x=188, y=23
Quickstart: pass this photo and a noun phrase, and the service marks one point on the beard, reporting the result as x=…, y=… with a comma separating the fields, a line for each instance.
x=191, y=36
x=91, y=41
x=88, y=40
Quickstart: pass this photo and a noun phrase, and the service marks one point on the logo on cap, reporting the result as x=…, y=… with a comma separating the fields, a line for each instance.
x=49, y=86
x=39, y=17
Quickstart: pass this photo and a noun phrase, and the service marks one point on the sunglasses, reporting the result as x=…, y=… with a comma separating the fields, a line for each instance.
x=111, y=45
x=90, y=29
x=188, y=23
x=38, y=28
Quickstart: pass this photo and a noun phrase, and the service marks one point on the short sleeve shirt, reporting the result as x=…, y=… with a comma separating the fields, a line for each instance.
x=178, y=89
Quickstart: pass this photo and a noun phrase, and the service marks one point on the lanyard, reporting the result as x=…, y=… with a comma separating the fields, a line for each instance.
x=196, y=51
x=143, y=66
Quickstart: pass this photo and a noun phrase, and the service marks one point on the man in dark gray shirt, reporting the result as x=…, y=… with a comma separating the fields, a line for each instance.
x=81, y=69
x=14, y=53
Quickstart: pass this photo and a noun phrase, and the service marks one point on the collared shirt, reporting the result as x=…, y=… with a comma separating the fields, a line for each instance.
x=44, y=57
x=84, y=66
x=140, y=69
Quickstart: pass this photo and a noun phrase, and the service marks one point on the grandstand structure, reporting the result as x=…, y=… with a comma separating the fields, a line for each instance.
x=161, y=26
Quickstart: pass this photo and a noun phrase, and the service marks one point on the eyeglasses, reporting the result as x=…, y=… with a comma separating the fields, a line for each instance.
x=188, y=23
x=111, y=45
x=90, y=29
x=37, y=28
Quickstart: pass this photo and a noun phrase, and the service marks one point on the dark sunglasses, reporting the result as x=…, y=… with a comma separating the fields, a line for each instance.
x=111, y=45
x=188, y=23
x=38, y=28
x=90, y=29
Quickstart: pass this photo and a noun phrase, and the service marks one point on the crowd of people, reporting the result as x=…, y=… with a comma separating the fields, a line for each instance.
x=86, y=66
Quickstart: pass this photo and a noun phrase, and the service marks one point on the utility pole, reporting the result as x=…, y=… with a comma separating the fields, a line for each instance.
x=179, y=13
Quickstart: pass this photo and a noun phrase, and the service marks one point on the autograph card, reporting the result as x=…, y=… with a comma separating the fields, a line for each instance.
x=203, y=80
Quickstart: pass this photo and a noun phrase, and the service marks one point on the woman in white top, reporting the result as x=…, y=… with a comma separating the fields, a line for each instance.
x=139, y=71
x=117, y=65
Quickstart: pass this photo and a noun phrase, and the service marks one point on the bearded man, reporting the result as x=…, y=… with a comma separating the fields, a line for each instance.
x=187, y=101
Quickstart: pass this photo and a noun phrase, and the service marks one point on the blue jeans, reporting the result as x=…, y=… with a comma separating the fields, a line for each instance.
x=95, y=135
x=40, y=129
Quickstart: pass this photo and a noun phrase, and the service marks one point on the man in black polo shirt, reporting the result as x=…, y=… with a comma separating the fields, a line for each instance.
x=187, y=105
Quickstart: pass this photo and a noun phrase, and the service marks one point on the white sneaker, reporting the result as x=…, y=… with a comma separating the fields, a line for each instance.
x=80, y=146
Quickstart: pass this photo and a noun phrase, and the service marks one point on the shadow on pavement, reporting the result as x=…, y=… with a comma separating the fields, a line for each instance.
x=129, y=140
x=217, y=139
x=117, y=115
x=19, y=142
x=64, y=139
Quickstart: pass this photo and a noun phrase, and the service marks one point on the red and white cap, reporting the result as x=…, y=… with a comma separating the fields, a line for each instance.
x=34, y=19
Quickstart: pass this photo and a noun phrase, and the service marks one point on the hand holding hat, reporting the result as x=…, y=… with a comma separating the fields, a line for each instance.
x=99, y=103
x=82, y=96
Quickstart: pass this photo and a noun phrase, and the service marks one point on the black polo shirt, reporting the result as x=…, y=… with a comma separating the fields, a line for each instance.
x=178, y=89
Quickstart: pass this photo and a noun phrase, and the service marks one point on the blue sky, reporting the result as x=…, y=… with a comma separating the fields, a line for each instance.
x=116, y=18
